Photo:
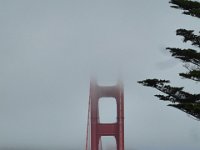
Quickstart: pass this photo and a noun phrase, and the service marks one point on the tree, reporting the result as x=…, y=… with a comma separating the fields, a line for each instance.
x=185, y=101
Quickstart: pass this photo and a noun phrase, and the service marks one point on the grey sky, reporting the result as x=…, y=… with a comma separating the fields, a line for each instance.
x=49, y=49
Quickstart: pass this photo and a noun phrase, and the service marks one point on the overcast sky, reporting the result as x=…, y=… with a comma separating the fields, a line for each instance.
x=48, y=51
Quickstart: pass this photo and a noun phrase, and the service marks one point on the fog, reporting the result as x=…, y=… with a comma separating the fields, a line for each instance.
x=49, y=50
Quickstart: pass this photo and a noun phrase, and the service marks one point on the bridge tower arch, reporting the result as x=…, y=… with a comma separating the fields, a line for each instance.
x=98, y=129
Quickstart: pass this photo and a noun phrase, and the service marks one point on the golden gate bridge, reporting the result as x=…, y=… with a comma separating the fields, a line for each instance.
x=95, y=129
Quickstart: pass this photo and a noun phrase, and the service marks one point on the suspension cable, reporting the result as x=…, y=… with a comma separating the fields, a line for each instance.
x=88, y=124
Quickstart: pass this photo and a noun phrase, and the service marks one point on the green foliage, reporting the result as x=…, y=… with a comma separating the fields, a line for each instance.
x=186, y=55
x=173, y=94
x=153, y=82
x=190, y=7
x=190, y=108
x=194, y=75
x=188, y=35
x=185, y=101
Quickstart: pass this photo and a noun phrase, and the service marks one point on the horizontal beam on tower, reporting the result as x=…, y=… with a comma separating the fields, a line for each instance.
x=107, y=129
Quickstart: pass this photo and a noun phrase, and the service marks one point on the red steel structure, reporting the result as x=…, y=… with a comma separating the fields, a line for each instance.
x=96, y=129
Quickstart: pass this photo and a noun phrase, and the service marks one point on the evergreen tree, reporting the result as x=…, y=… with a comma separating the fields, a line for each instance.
x=187, y=102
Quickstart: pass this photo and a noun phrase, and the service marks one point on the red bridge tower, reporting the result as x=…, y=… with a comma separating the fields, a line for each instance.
x=106, y=129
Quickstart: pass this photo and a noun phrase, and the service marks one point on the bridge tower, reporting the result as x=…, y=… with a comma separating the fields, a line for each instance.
x=106, y=129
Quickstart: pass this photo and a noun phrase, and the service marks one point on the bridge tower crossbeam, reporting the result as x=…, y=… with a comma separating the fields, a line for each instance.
x=99, y=129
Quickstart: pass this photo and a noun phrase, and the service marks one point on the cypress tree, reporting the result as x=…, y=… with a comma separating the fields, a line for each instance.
x=180, y=99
